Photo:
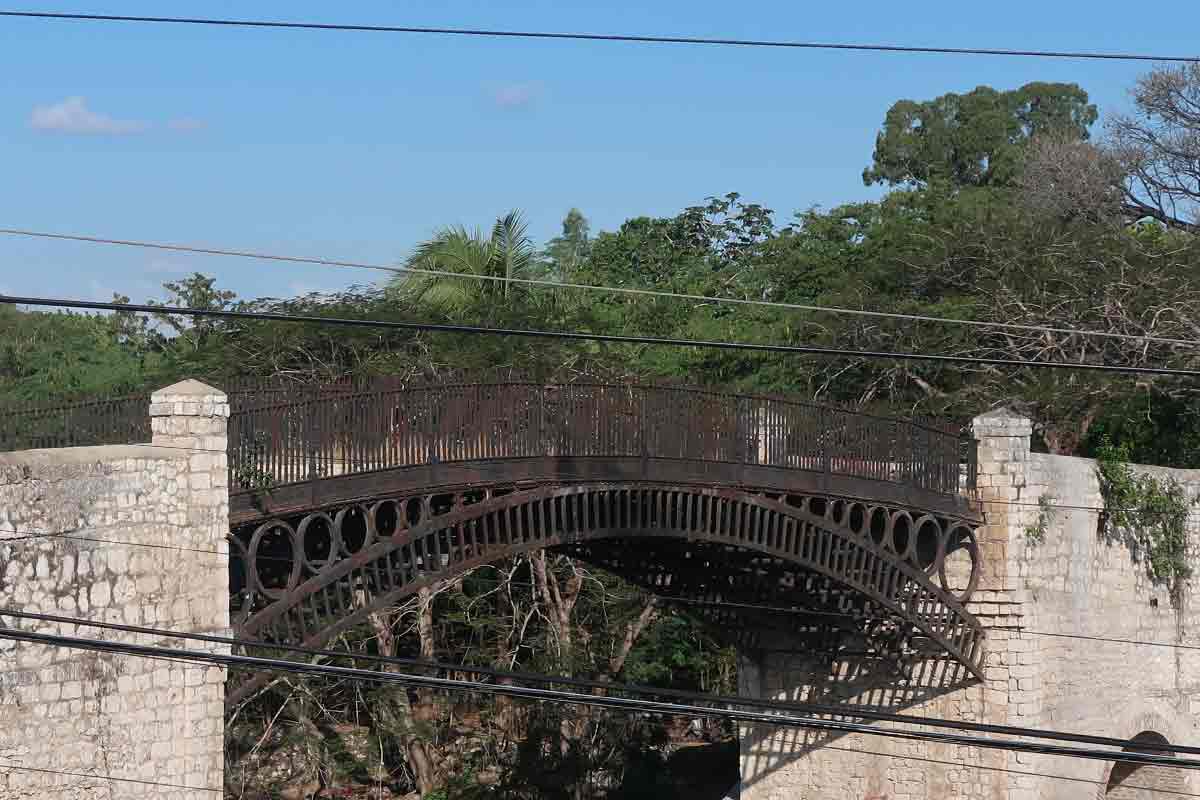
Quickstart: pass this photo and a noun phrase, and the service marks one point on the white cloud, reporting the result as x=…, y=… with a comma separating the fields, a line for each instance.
x=186, y=124
x=73, y=116
x=516, y=95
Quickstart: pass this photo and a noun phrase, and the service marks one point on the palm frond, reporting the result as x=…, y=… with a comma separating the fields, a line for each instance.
x=513, y=250
x=507, y=253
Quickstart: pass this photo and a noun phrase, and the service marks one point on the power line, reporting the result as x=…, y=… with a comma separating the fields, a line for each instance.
x=46, y=536
x=828, y=352
x=984, y=768
x=6, y=764
x=27, y=535
x=572, y=698
x=985, y=501
x=626, y=290
x=814, y=708
x=904, y=757
x=1097, y=509
x=1109, y=639
x=599, y=37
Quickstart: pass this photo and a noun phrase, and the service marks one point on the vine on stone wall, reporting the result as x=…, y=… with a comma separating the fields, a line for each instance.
x=1035, y=532
x=1147, y=514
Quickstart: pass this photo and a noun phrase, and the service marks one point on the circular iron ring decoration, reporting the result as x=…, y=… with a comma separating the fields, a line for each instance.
x=662, y=511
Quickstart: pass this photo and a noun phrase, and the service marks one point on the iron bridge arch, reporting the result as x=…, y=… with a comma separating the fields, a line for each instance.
x=880, y=572
x=764, y=514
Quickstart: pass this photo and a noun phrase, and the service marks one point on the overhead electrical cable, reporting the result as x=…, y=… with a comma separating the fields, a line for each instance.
x=625, y=290
x=804, y=707
x=1125, y=785
x=596, y=37
x=12, y=766
x=49, y=537
x=828, y=352
x=590, y=700
x=7, y=764
x=44, y=536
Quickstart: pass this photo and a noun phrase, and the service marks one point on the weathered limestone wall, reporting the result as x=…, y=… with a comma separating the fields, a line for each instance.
x=1080, y=584
x=794, y=764
x=114, y=530
x=1072, y=583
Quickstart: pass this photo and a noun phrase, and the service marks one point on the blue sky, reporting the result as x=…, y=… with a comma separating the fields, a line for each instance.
x=357, y=146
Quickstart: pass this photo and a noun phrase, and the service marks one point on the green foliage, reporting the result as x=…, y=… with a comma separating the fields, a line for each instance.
x=460, y=786
x=195, y=291
x=973, y=139
x=507, y=252
x=1035, y=532
x=1154, y=427
x=948, y=240
x=679, y=652
x=248, y=475
x=57, y=357
x=566, y=253
x=1147, y=514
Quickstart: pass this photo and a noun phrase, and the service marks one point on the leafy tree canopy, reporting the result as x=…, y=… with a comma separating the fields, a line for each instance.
x=973, y=139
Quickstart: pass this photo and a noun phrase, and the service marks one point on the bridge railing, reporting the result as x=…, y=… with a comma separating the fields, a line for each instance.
x=113, y=420
x=290, y=435
x=284, y=434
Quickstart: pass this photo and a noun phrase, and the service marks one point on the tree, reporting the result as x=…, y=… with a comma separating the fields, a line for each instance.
x=1146, y=167
x=973, y=139
x=1159, y=146
x=969, y=255
x=194, y=291
x=489, y=300
x=56, y=357
x=315, y=352
x=564, y=254
x=507, y=252
x=1063, y=178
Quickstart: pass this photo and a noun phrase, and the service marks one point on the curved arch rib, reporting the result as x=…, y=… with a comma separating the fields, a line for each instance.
x=381, y=574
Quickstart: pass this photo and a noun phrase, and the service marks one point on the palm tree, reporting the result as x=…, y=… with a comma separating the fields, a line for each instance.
x=507, y=253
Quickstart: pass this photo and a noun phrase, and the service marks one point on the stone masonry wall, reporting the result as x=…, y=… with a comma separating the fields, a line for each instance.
x=1080, y=584
x=1072, y=583
x=111, y=534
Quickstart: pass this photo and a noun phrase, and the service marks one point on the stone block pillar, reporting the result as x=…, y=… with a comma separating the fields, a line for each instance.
x=130, y=534
x=1012, y=691
x=778, y=764
x=193, y=416
x=1003, y=458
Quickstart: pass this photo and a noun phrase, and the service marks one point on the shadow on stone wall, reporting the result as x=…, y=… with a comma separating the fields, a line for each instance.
x=852, y=683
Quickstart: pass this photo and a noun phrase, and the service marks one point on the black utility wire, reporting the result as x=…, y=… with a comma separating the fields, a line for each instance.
x=829, y=352
x=906, y=757
x=579, y=683
x=621, y=290
x=673, y=600
x=572, y=698
x=12, y=765
x=1125, y=784
x=596, y=37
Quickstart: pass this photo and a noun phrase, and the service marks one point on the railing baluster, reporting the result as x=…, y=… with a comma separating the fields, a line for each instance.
x=302, y=432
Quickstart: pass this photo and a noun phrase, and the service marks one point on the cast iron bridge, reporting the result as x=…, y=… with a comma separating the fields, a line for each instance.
x=768, y=515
